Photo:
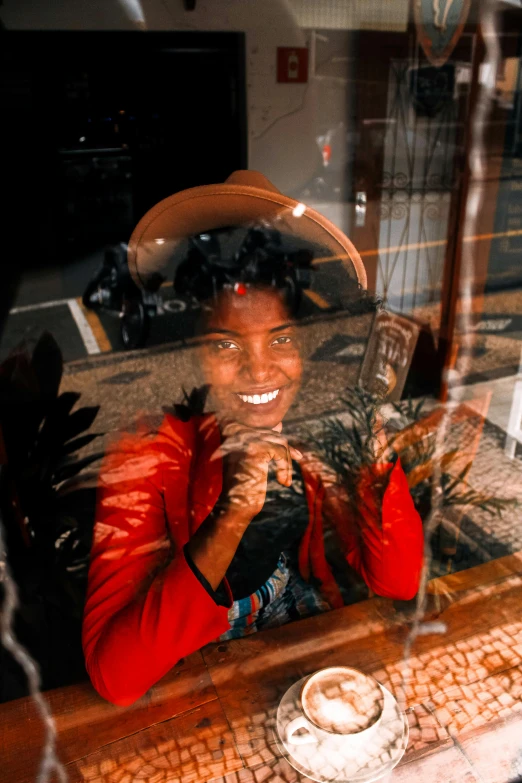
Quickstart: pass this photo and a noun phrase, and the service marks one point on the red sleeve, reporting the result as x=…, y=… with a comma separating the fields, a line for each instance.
x=145, y=607
x=386, y=547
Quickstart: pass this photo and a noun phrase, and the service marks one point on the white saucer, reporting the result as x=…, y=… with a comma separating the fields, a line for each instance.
x=325, y=762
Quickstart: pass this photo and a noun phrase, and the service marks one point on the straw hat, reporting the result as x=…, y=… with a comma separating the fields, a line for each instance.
x=246, y=198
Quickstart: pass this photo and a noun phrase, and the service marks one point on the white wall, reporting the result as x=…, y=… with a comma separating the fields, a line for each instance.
x=280, y=116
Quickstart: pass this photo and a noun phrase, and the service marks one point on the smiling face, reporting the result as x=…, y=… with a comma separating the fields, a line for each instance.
x=251, y=357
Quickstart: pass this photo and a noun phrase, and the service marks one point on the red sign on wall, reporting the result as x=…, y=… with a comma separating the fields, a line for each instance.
x=292, y=64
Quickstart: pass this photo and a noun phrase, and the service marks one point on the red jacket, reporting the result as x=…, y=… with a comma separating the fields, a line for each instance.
x=145, y=607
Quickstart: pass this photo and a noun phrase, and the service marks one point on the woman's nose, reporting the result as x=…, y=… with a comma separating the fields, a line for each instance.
x=258, y=365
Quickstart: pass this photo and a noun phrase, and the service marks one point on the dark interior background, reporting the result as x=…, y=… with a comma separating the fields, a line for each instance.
x=98, y=126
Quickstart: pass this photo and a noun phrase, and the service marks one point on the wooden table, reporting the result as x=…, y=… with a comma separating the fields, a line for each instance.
x=211, y=718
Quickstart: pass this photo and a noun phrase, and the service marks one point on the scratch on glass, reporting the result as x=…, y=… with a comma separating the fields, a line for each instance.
x=454, y=377
x=49, y=762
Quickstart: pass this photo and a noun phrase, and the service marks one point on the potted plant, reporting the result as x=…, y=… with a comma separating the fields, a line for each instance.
x=347, y=443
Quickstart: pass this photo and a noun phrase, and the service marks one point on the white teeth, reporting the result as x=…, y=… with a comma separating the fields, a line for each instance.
x=259, y=399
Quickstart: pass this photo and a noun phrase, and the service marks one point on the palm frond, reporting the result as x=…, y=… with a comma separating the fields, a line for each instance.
x=347, y=447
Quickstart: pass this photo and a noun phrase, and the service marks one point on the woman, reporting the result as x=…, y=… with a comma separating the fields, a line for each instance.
x=213, y=527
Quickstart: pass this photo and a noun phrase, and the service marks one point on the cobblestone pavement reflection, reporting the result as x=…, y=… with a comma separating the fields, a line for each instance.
x=449, y=693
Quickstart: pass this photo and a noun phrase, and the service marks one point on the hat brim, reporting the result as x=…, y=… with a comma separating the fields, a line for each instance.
x=207, y=207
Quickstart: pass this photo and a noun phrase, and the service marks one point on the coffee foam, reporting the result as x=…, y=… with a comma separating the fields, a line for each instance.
x=342, y=701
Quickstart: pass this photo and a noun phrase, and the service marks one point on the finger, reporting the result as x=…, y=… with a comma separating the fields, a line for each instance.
x=242, y=440
x=225, y=449
x=267, y=451
x=283, y=475
x=283, y=463
x=243, y=443
x=231, y=429
x=237, y=442
x=271, y=438
x=282, y=441
x=246, y=438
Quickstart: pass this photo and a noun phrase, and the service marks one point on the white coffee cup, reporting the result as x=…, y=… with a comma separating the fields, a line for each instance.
x=338, y=704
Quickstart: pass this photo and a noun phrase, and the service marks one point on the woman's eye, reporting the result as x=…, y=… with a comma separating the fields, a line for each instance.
x=226, y=345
